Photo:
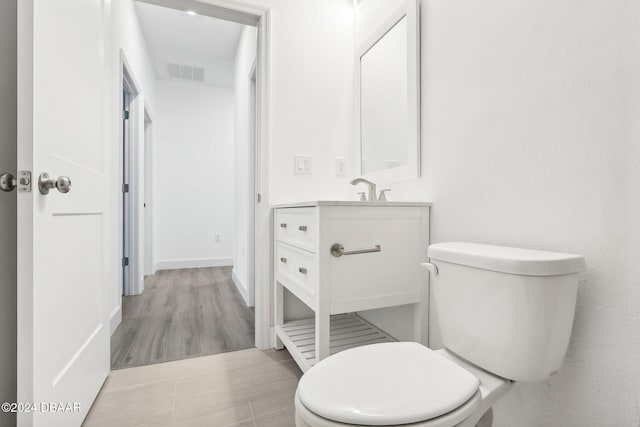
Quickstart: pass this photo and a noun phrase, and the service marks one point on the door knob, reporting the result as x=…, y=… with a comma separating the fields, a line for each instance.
x=8, y=182
x=45, y=183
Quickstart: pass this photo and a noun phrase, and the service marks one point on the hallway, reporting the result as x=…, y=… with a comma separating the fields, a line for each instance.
x=182, y=314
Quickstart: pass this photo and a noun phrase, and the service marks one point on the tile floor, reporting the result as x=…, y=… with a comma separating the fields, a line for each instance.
x=241, y=388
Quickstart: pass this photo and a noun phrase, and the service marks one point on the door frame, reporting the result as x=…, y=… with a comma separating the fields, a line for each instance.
x=260, y=17
x=128, y=82
x=149, y=267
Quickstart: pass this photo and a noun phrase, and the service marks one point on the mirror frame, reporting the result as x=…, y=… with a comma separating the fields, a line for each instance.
x=410, y=10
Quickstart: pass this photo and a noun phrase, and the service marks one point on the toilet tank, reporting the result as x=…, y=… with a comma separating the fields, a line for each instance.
x=506, y=310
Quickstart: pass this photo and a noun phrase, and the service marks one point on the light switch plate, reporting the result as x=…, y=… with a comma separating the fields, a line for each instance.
x=302, y=164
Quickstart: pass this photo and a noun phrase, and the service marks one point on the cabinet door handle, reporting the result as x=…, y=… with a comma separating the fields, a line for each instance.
x=283, y=259
x=337, y=250
x=302, y=228
x=283, y=225
x=302, y=270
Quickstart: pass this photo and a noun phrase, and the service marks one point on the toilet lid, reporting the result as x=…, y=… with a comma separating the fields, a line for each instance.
x=386, y=384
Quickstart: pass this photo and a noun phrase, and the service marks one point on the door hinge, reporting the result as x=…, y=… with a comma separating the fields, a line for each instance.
x=125, y=261
x=259, y=197
x=125, y=188
x=125, y=115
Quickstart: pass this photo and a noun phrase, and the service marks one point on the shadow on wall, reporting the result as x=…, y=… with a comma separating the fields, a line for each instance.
x=8, y=208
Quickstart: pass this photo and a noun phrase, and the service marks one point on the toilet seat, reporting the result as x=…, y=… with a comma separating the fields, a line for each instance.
x=387, y=384
x=306, y=418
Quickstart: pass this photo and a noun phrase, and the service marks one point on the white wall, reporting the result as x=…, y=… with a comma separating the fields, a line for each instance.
x=530, y=130
x=311, y=96
x=129, y=38
x=8, y=209
x=126, y=40
x=243, y=196
x=193, y=175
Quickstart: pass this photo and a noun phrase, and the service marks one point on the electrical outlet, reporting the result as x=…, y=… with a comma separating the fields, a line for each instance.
x=341, y=166
x=302, y=164
x=217, y=238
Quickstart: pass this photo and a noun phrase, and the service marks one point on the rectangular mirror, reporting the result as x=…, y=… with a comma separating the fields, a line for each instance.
x=388, y=98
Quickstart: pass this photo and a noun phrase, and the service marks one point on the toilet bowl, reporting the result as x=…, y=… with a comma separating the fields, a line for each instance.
x=505, y=315
x=400, y=383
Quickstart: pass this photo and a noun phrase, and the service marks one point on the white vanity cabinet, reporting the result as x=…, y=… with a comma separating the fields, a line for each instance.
x=340, y=258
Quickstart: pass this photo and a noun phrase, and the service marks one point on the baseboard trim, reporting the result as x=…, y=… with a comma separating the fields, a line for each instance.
x=115, y=318
x=174, y=264
x=242, y=288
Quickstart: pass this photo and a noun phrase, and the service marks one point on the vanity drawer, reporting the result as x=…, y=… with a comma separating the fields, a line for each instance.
x=298, y=227
x=296, y=268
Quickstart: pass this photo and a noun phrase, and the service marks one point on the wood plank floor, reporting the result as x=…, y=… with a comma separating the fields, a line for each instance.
x=247, y=388
x=181, y=314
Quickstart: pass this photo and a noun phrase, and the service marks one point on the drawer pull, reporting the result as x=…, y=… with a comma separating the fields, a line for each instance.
x=302, y=270
x=337, y=250
x=283, y=225
x=283, y=259
x=302, y=228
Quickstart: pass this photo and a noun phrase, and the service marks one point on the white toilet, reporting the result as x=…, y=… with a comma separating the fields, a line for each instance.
x=505, y=315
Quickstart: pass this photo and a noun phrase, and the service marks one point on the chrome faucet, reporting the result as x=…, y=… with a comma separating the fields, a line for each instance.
x=372, y=188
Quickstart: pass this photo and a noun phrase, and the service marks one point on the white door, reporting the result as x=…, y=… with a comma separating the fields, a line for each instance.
x=127, y=243
x=63, y=332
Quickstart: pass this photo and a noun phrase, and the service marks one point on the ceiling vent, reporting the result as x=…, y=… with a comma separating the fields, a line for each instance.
x=185, y=72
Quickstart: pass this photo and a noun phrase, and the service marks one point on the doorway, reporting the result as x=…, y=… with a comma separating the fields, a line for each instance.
x=131, y=282
x=198, y=217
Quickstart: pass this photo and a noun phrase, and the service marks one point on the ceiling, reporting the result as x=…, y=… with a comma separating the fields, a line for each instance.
x=175, y=37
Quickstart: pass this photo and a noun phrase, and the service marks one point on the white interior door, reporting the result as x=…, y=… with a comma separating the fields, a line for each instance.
x=127, y=241
x=63, y=329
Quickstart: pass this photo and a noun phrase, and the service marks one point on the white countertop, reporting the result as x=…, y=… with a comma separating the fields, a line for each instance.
x=349, y=203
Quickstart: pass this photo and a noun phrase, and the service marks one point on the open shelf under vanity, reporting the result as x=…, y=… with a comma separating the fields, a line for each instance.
x=346, y=331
